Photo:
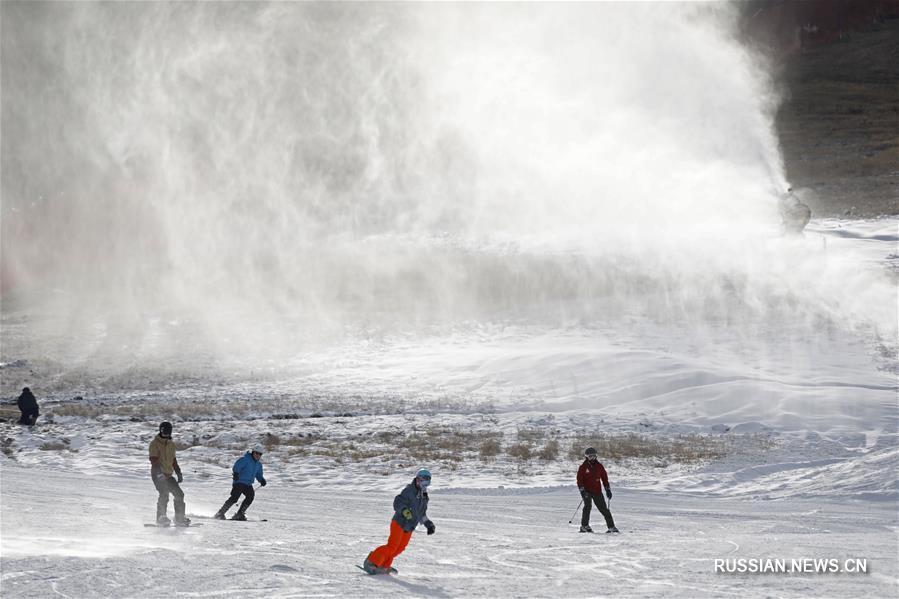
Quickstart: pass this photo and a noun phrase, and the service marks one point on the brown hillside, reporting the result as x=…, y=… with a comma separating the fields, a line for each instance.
x=839, y=122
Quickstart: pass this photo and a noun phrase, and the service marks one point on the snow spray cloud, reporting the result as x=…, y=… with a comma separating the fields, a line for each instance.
x=193, y=178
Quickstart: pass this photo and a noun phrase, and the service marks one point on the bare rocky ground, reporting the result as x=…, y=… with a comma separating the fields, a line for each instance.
x=839, y=123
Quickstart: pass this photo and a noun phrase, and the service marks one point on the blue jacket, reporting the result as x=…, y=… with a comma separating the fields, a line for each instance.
x=417, y=501
x=246, y=469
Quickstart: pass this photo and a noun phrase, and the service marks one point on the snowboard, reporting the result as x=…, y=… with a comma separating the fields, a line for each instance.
x=392, y=571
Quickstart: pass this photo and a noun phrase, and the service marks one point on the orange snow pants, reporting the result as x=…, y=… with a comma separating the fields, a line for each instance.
x=383, y=556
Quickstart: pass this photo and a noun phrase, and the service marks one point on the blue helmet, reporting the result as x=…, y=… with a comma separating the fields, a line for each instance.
x=423, y=473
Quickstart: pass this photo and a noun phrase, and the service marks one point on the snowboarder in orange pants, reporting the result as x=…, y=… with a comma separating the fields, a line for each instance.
x=410, y=508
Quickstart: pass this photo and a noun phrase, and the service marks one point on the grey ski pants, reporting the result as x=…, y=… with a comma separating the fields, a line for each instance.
x=165, y=487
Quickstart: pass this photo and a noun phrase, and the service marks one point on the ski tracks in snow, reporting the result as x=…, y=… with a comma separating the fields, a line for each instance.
x=494, y=544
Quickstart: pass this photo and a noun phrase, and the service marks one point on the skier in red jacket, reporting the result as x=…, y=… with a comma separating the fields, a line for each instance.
x=589, y=476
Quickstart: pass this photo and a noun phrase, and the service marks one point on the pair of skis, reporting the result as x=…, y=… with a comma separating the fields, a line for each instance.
x=230, y=520
x=608, y=532
x=192, y=524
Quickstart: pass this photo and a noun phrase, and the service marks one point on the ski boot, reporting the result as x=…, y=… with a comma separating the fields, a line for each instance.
x=586, y=528
x=239, y=516
x=612, y=529
x=163, y=520
x=182, y=521
x=220, y=515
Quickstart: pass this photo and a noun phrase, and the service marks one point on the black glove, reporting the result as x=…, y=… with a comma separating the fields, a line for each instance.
x=430, y=526
x=584, y=495
x=234, y=476
x=262, y=482
x=608, y=493
x=180, y=476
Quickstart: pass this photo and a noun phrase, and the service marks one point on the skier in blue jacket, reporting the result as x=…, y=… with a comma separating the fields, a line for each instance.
x=244, y=471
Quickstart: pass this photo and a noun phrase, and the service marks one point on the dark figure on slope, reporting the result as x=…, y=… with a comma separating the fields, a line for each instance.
x=794, y=215
x=245, y=470
x=28, y=406
x=589, y=476
x=164, y=469
x=410, y=509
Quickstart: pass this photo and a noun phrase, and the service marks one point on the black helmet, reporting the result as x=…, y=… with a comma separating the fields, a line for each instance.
x=165, y=429
x=589, y=451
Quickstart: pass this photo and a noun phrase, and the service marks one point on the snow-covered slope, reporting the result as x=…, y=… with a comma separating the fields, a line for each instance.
x=473, y=237
x=800, y=416
x=73, y=534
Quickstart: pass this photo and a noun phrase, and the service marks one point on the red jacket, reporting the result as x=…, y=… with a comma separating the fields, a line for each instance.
x=589, y=476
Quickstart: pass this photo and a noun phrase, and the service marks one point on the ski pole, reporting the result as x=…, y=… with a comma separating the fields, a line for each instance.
x=575, y=510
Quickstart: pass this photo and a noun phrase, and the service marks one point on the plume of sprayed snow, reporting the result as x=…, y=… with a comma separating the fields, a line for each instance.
x=195, y=178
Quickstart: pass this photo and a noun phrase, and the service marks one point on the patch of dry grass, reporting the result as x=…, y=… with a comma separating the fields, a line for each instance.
x=446, y=445
x=519, y=451
x=550, y=451
x=449, y=445
x=680, y=448
x=9, y=414
x=240, y=408
x=490, y=448
x=140, y=411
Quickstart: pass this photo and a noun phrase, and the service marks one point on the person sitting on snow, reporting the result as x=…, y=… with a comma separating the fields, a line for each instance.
x=245, y=470
x=410, y=509
x=589, y=476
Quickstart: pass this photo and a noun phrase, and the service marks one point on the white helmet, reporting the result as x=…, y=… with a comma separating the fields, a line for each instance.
x=257, y=449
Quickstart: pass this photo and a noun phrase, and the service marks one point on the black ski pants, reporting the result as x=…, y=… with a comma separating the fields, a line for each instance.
x=28, y=419
x=599, y=500
x=236, y=491
x=169, y=486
